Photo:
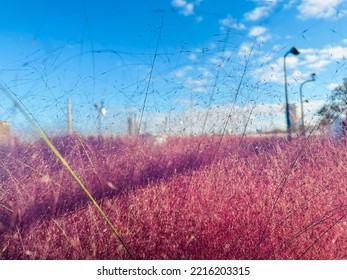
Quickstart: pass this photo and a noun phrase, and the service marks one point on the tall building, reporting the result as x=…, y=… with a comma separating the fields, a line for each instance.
x=293, y=116
x=5, y=136
x=133, y=128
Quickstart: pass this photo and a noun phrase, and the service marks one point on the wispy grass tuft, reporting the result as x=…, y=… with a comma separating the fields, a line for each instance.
x=66, y=165
x=219, y=209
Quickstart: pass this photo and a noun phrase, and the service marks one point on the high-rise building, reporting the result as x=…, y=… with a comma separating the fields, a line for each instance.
x=5, y=136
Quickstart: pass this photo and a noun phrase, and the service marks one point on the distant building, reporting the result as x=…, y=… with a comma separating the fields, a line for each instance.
x=293, y=116
x=5, y=135
x=133, y=128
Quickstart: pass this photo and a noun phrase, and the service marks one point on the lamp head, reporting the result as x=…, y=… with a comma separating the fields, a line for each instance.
x=102, y=108
x=313, y=75
x=103, y=111
x=294, y=51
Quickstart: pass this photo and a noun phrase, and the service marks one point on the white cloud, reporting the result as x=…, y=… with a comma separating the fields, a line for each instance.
x=336, y=52
x=216, y=60
x=269, y=2
x=226, y=54
x=186, y=8
x=290, y=4
x=261, y=12
x=196, y=85
x=263, y=38
x=266, y=58
x=319, y=64
x=230, y=22
x=178, y=3
x=273, y=72
x=320, y=9
x=181, y=72
x=292, y=62
x=260, y=33
x=310, y=59
x=220, y=58
x=245, y=50
x=193, y=55
x=315, y=59
x=257, y=31
x=308, y=51
x=332, y=86
x=258, y=13
x=200, y=89
x=204, y=72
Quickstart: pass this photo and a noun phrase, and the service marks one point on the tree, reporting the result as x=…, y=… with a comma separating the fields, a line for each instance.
x=337, y=105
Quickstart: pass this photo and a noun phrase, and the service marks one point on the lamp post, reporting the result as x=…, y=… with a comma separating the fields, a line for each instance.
x=313, y=78
x=69, y=117
x=293, y=51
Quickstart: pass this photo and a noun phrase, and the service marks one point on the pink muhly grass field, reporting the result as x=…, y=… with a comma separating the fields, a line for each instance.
x=190, y=198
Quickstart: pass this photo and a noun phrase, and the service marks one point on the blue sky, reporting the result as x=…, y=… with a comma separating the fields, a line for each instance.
x=194, y=62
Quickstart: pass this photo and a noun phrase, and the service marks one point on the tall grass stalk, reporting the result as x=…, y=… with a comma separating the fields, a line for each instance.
x=42, y=134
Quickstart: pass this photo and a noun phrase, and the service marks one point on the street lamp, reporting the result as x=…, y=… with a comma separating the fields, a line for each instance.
x=101, y=112
x=313, y=78
x=293, y=51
